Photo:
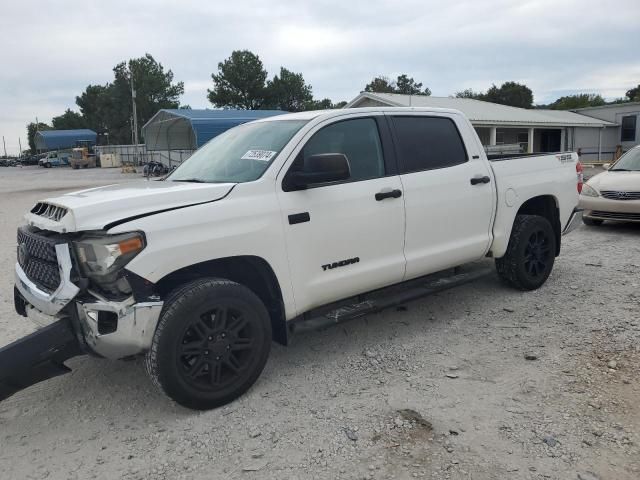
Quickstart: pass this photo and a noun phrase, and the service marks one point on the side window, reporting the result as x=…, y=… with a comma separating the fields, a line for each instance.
x=628, y=129
x=425, y=143
x=357, y=139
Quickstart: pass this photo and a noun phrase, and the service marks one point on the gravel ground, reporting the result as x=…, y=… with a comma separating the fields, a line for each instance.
x=478, y=382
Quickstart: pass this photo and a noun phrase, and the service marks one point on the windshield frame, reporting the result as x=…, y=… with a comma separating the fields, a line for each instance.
x=299, y=125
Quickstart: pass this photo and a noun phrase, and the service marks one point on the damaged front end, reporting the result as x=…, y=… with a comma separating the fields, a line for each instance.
x=75, y=288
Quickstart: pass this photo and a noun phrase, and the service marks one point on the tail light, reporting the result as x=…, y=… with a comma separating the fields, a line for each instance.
x=580, y=176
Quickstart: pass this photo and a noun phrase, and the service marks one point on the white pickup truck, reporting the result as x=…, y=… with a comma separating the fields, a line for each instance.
x=265, y=225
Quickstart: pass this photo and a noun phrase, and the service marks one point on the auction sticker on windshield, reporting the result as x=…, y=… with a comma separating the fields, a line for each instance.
x=262, y=155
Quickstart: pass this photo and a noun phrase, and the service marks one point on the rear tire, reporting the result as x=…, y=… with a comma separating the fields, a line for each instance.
x=530, y=255
x=592, y=222
x=212, y=342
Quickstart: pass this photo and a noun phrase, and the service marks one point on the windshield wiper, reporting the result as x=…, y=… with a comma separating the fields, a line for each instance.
x=620, y=170
x=191, y=180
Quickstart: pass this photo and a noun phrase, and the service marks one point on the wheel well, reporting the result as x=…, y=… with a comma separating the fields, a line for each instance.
x=545, y=206
x=252, y=272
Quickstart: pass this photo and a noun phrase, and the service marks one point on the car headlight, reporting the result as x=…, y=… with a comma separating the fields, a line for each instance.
x=104, y=255
x=589, y=191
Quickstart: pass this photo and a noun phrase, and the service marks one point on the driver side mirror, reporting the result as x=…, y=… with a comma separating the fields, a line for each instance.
x=606, y=166
x=320, y=168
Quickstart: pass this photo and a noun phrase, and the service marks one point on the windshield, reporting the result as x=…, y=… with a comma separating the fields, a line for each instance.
x=241, y=154
x=630, y=161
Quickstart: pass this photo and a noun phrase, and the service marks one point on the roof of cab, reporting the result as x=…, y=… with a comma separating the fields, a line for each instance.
x=312, y=114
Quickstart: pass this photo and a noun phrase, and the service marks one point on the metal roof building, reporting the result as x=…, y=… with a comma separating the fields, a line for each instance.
x=502, y=126
x=183, y=129
x=58, y=139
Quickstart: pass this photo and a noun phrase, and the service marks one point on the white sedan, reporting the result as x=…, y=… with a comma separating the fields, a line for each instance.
x=614, y=194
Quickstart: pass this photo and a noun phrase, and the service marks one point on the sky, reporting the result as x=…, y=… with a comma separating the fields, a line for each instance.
x=51, y=50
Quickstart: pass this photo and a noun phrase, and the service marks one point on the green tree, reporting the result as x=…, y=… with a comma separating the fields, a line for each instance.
x=380, y=85
x=240, y=82
x=154, y=89
x=32, y=128
x=403, y=84
x=69, y=120
x=324, y=104
x=570, y=102
x=408, y=86
x=93, y=103
x=510, y=93
x=109, y=109
x=288, y=92
x=634, y=94
x=469, y=93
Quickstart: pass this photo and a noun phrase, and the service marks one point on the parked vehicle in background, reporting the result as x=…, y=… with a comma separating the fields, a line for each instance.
x=155, y=169
x=55, y=159
x=82, y=158
x=614, y=194
x=30, y=159
x=9, y=162
x=270, y=224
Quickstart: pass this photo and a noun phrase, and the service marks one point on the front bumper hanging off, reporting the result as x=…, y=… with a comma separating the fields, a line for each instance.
x=37, y=357
x=71, y=325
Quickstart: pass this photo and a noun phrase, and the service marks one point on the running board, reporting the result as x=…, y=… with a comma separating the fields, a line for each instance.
x=37, y=357
x=388, y=297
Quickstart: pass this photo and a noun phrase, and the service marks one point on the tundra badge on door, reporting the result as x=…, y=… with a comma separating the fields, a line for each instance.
x=341, y=263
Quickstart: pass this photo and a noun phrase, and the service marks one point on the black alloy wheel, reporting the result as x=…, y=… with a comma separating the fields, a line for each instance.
x=216, y=348
x=537, y=253
x=531, y=253
x=211, y=344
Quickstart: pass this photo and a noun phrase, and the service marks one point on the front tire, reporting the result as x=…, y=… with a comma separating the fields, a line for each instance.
x=592, y=222
x=530, y=255
x=212, y=342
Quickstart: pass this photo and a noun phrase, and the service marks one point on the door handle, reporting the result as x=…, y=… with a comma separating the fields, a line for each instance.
x=479, y=180
x=299, y=218
x=390, y=194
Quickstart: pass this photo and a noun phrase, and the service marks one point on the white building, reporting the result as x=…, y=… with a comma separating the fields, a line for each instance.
x=626, y=133
x=530, y=130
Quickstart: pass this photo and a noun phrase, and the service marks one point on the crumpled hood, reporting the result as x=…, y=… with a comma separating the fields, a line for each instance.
x=617, y=181
x=95, y=208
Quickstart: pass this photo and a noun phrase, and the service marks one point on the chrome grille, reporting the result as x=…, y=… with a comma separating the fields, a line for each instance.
x=37, y=257
x=616, y=195
x=47, y=210
x=615, y=215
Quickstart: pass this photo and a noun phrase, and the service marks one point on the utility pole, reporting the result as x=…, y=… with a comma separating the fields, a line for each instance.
x=135, y=119
x=5, y=147
x=20, y=145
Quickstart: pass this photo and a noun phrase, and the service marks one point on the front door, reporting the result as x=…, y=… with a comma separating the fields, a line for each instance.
x=341, y=238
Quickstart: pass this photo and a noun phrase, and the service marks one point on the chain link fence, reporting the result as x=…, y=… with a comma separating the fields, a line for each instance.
x=138, y=155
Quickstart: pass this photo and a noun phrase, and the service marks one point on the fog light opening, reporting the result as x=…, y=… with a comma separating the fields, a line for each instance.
x=107, y=322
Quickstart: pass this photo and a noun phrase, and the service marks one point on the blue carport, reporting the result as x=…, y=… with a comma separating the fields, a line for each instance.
x=184, y=129
x=60, y=139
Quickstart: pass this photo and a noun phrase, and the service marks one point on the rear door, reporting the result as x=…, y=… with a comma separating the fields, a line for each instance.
x=448, y=192
x=345, y=238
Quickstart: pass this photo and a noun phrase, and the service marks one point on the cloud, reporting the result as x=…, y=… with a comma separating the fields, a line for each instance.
x=52, y=50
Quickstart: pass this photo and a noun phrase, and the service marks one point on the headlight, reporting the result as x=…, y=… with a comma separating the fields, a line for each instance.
x=589, y=191
x=103, y=255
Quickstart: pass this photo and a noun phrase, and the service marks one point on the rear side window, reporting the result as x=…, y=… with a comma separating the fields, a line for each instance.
x=426, y=143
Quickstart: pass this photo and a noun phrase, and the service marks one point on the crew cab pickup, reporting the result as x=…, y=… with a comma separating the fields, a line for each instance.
x=266, y=224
